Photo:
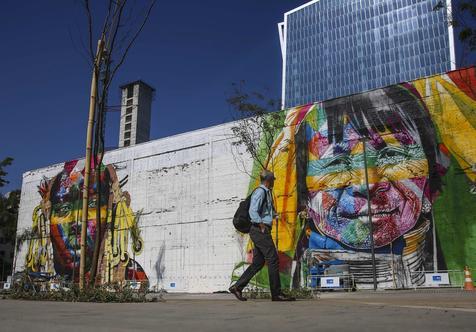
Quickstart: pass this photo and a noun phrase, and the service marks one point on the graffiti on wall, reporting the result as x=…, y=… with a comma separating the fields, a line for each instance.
x=420, y=154
x=54, y=246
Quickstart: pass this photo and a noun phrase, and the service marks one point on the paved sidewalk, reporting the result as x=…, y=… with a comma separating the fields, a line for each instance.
x=362, y=311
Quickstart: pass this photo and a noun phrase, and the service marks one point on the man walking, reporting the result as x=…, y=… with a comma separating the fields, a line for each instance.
x=262, y=213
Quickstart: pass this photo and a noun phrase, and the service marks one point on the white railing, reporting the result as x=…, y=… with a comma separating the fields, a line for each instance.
x=330, y=282
x=438, y=279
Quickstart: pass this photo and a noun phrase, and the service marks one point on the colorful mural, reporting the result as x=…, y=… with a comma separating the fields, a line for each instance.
x=55, y=244
x=421, y=156
x=420, y=141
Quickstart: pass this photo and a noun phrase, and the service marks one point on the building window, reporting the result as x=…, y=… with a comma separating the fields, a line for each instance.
x=128, y=126
x=127, y=143
x=127, y=134
x=130, y=91
x=129, y=102
x=128, y=118
x=129, y=110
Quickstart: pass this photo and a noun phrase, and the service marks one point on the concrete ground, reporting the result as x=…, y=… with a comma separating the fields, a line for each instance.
x=440, y=310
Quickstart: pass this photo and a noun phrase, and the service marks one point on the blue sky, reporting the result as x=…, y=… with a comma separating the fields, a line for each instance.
x=190, y=51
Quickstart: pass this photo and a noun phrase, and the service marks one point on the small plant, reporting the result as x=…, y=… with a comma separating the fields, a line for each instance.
x=27, y=289
x=299, y=293
x=257, y=293
x=74, y=294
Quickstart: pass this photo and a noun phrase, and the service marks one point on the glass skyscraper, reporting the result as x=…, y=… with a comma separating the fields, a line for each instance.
x=333, y=48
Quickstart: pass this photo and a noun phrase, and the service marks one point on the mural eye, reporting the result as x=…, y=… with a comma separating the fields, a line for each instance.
x=338, y=162
x=92, y=204
x=391, y=153
x=62, y=210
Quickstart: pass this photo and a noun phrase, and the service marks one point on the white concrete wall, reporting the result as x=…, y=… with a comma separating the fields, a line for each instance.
x=188, y=187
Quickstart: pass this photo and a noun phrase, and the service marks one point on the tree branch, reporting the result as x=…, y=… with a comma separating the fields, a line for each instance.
x=90, y=29
x=144, y=21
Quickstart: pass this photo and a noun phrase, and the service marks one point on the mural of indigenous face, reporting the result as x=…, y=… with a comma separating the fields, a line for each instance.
x=57, y=221
x=417, y=134
x=397, y=165
x=66, y=214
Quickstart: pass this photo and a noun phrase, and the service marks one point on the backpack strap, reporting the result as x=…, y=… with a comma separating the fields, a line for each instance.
x=263, y=203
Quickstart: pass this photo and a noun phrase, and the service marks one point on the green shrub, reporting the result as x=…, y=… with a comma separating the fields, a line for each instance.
x=260, y=293
x=106, y=293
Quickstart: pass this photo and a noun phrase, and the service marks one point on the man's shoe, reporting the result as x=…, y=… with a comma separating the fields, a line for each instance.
x=283, y=298
x=235, y=291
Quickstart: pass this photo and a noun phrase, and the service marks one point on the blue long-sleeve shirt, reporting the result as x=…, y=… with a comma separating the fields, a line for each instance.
x=268, y=213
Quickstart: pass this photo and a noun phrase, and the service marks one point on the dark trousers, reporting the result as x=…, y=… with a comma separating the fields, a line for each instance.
x=264, y=250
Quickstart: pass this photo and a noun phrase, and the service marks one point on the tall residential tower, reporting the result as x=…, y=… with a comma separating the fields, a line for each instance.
x=333, y=48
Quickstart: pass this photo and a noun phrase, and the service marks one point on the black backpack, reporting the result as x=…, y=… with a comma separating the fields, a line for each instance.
x=241, y=219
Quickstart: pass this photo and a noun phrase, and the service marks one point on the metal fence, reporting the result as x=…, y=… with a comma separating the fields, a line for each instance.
x=437, y=279
x=330, y=282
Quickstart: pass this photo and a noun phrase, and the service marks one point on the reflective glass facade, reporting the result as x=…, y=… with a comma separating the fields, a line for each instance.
x=334, y=48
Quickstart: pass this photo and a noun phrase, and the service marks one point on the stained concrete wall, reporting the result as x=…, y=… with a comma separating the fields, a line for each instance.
x=188, y=187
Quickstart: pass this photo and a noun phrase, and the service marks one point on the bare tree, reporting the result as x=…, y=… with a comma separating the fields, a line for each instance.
x=258, y=120
x=120, y=28
x=259, y=127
